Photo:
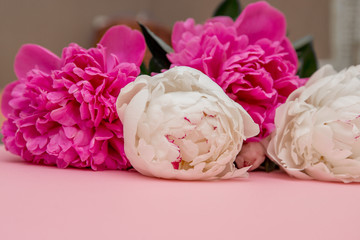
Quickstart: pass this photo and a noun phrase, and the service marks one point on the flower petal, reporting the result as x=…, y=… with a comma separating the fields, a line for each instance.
x=260, y=20
x=32, y=56
x=289, y=49
x=67, y=115
x=126, y=44
x=181, y=125
x=6, y=109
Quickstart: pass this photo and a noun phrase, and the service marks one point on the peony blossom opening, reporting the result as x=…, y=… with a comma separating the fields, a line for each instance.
x=61, y=111
x=318, y=128
x=250, y=58
x=181, y=125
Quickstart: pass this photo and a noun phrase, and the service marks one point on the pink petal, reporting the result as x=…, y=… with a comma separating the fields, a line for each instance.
x=180, y=28
x=31, y=56
x=83, y=137
x=69, y=156
x=212, y=62
x=103, y=133
x=288, y=48
x=126, y=44
x=19, y=103
x=6, y=109
x=58, y=96
x=70, y=132
x=227, y=21
x=99, y=115
x=53, y=147
x=100, y=156
x=84, y=111
x=36, y=142
x=67, y=115
x=260, y=20
x=43, y=124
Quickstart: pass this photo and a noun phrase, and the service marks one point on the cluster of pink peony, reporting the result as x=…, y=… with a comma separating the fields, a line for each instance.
x=250, y=58
x=61, y=111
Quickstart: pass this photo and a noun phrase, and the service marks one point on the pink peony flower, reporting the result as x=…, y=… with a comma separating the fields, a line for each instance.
x=61, y=111
x=251, y=154
x=251, y=59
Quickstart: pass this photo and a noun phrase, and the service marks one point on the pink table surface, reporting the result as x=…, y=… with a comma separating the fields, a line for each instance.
x=42, y=202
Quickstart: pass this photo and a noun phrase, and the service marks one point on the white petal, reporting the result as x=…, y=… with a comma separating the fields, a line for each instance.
x=182, y=116
x=318, y=128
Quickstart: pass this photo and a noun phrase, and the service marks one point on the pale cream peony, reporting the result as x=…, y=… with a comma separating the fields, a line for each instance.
x=318, y=128
x=181, y=125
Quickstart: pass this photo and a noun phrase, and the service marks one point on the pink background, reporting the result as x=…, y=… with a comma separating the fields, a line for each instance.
x=41, y=202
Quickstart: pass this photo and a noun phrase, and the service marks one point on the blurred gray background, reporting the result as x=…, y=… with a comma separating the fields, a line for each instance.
x=55, y=23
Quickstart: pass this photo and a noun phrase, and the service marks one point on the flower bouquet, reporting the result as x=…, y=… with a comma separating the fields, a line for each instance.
x=229, y=96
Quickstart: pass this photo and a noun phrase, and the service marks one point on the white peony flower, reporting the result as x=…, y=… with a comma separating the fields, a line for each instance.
x=318, y=128
x=181, y=125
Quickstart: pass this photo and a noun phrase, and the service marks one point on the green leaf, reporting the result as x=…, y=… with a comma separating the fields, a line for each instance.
x=269, y=165
x=158, y=48
x=306, y=55
x=155, y=66
x=231, y=8
x=143, y=69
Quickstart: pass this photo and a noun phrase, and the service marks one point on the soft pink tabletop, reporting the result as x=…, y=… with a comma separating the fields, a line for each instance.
x=40, y=202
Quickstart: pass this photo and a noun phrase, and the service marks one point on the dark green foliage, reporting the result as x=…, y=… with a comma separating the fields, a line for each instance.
x=231, y=8
x=306, y=56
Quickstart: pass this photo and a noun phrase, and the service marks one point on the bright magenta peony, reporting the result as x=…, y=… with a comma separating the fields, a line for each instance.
x=61, y=111
x=251, y=59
